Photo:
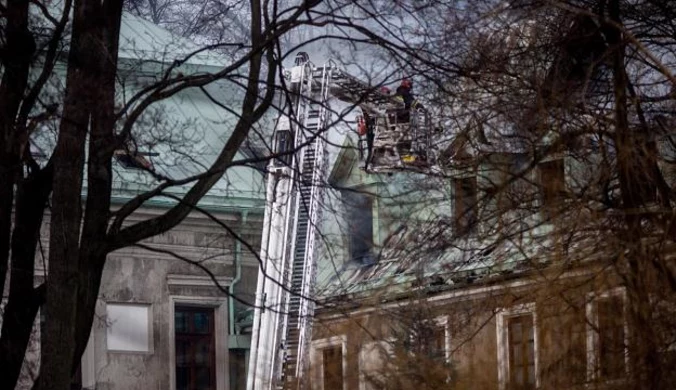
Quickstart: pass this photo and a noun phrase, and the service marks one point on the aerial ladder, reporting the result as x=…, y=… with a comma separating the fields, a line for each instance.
x=295, y=185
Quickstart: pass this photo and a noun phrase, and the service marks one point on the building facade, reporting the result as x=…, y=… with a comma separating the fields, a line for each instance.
x=162, y=322
x=499, y=273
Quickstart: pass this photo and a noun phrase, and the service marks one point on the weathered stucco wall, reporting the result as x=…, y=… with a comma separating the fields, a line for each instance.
x=471, y=319
x=138, y=276
x=135, y=275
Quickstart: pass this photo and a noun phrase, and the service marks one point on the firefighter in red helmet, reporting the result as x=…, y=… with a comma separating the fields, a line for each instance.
x=366, y=127
x=405, y=94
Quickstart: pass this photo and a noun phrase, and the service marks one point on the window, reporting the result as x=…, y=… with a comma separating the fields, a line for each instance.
x=608, y=347
x=516, y=191
x=195, y=359
x=565, y=334
x=521, y=342
x=429, y=338
x=332, y=368
x=360, y=225
x=283, y=144
x=553, y=184
x=517, y=348
x=128, y=328
x=465, y=199
x=329, y=363
x=611, y=337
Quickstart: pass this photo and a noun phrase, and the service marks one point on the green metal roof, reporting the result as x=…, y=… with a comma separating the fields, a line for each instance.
x=183, y=134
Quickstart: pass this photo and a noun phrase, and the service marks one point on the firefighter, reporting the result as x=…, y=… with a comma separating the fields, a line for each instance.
x=366, y=126
x=405, y=94
x=361, y=125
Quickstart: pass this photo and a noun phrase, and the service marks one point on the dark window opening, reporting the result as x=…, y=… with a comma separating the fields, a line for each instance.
x=134, y=160
x=570, y=367
x=429, y=339
x=521, y=344
x=283, y=144
x=517, y=189
x=195, y=358
x=360, y=225
x=465, y=205
x=611, y=348
x=553, y=184
x=332, y=368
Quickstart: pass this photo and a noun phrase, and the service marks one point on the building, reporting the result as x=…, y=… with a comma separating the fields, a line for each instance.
x=491, y=276
x=164, y=318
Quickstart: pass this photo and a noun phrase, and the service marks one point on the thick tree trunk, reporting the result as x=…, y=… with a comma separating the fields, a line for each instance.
x=16, y=57
x=24, y=301
x=6, y=201
x=69, y=155
x=76, y=274
x=99, y=178
x=637, y=187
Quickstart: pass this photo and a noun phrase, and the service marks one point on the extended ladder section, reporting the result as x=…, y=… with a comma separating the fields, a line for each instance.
x=295, y=188
x=310, y=188
x=350, y=89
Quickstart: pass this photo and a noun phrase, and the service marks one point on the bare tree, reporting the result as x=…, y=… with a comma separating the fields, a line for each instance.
x=555, y=159
x=515, y=85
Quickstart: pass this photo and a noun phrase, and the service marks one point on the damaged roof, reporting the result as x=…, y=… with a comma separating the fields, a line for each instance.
x=418, y=263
